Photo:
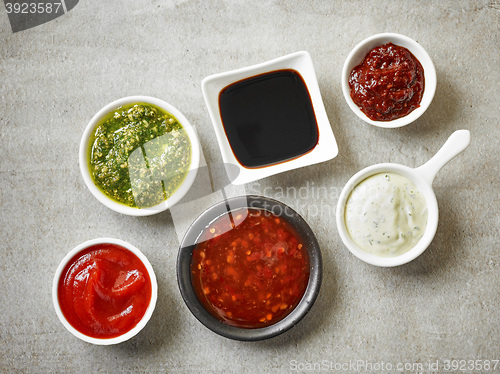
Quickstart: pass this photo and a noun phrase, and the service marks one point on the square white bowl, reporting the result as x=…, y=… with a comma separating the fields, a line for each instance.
x=301, y=62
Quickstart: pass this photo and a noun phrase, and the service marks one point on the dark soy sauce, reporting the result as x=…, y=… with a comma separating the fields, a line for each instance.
x=268, y=118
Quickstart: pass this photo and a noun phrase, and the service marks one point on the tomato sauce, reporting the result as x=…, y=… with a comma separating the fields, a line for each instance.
x=250, y=269
x=104, y=291
x=388, y=84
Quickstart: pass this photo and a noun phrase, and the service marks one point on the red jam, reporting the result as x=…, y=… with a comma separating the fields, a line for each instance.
x=104, y=291
x=252, y=268
x=388, y=84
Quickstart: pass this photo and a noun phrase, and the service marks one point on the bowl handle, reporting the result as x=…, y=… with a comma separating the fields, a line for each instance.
x=455, y=144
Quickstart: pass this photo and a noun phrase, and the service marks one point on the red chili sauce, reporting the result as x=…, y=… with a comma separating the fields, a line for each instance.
x=104, y=291
x=252, y=268
x=388, y=84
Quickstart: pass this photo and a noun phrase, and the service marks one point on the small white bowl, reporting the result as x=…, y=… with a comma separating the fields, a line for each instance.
x=177, y=195
x=149, y=310
x=301, y=62
x=422, y=177
x=359, y=53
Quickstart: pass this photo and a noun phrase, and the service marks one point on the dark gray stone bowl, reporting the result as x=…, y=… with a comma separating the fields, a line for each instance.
x=184, y=268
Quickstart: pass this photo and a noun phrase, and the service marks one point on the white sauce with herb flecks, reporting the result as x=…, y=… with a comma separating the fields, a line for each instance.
x=386, y=215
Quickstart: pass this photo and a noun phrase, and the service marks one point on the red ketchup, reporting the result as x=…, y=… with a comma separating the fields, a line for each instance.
x=388, y=84
x=104, y=291
x=251, y=270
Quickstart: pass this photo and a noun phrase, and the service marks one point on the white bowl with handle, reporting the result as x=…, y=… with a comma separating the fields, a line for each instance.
x=422, y=177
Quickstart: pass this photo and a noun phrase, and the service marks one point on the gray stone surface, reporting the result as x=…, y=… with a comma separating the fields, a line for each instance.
x=55, y=77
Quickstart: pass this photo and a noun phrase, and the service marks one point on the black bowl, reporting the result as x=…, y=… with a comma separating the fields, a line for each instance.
x=184, y=268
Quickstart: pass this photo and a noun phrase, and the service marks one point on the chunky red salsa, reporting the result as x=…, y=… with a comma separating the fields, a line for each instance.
x=104, y=291
x=388, y=84
x=250, y=269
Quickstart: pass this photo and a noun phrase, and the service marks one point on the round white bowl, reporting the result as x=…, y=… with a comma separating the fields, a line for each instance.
x=359, y=53
x=181, y=190
x=422, y=177
x=149, y=311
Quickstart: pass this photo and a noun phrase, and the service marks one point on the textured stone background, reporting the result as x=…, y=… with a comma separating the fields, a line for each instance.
x=55, y=77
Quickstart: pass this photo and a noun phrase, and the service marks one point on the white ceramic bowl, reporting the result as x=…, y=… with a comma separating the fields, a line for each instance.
x=301, y=62
x=422, y=177
x=149, y=310
x=177, y=195
x=361, y=50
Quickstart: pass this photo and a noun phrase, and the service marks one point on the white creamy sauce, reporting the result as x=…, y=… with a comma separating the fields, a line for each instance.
x=386, y=215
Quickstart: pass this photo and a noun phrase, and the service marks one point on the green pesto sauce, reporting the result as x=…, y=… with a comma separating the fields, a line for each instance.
x=139, y=155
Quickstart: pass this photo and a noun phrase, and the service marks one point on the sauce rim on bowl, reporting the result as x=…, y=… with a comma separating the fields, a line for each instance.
x=184, y=260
